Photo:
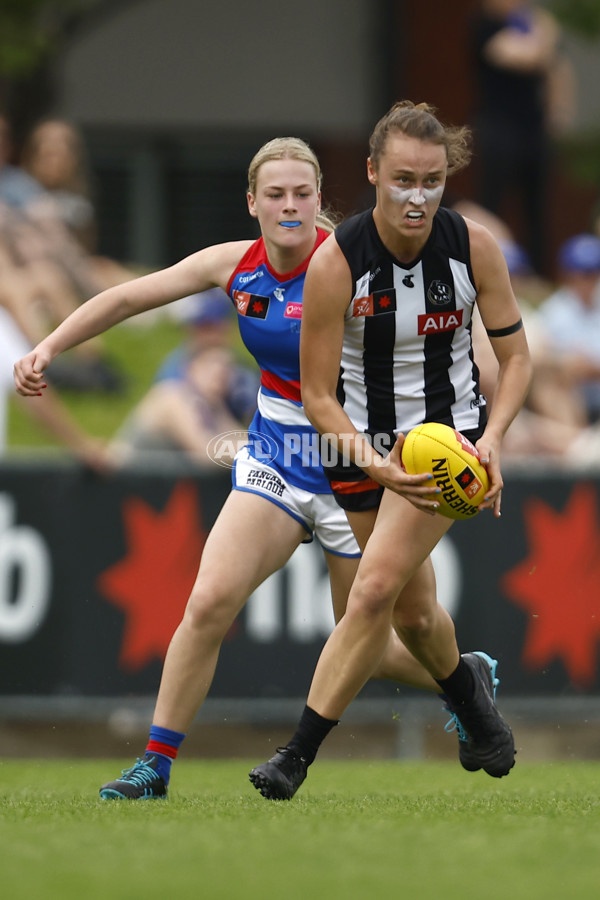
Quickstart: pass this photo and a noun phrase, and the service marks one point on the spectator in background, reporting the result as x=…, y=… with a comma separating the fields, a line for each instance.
x=17, y=188
x=53, y=415
x=209, y=321
x=38, y=293
x=549, y=423
x=30, y=238
x=54, y=154
x=570, y=320
x=44, y=274
x=35, y=293
x=477, y=213
x=525, y=94
x=182, y=414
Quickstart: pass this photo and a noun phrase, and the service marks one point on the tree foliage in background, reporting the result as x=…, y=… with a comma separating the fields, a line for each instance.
x=31, y=30
x=33, y=33
x=579, y=16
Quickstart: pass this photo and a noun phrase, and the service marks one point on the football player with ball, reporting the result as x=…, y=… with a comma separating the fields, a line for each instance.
x=284, y=195
x=385, y=349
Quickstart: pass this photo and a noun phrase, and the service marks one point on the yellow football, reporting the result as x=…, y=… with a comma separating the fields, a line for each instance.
x=455, y=466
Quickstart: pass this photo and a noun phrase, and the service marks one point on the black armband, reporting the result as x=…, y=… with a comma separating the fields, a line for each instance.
x=502, y=332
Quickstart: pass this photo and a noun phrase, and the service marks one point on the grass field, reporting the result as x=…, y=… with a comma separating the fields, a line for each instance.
x=356, y=830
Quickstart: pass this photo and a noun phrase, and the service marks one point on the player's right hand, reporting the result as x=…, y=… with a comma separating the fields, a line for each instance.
x=29, y=373
x=390, y=472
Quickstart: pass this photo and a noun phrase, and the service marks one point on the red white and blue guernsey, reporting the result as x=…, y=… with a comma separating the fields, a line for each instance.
x=269, y=307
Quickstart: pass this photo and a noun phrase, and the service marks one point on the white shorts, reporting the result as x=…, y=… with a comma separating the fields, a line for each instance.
x=318, y=513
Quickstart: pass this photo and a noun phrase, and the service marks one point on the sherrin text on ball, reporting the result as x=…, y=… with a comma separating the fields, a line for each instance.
x=454, y=464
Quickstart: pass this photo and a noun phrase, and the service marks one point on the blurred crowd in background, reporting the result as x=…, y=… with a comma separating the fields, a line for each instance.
x=50, y=263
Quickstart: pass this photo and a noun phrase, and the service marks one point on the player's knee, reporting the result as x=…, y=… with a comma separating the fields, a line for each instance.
x=414, y=624
x=210, y=608
x=372, y=598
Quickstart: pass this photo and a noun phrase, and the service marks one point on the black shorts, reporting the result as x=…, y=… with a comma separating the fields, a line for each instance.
x=355, y=491
x=358, y=494
x=352, y=488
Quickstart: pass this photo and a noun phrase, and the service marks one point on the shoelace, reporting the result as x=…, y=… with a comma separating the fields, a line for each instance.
x=454, y=724
x=139, y=774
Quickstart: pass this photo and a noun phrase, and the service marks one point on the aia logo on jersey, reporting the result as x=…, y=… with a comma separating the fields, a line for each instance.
x=293, y=311
x=439, y=293
x=435, y=323
x=375, y=304
x=251, y=305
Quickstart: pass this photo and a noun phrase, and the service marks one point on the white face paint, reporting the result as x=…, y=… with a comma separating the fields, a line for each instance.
x=416, y=196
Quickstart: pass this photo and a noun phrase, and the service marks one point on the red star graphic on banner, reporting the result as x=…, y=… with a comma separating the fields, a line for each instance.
x=384, y=301
x=559, y=585
x=152, y=583
x=257, y=306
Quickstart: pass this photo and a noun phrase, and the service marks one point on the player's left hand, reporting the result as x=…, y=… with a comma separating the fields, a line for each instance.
x=489, y=452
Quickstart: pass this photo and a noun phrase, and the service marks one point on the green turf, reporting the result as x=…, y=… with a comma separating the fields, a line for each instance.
x=355, y=830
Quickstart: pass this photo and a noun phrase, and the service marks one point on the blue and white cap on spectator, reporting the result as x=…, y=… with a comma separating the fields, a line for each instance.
x=206, y=308
x=580, y=253
x=516, y=257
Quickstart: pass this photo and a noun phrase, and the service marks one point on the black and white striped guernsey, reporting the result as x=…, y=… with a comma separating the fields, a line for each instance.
x=407, y=354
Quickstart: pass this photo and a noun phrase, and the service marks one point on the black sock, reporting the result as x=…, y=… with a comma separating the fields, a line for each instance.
x=312, y=731
x=459, y=687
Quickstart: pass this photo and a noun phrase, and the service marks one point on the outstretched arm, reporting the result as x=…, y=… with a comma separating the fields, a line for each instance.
x=208, y=268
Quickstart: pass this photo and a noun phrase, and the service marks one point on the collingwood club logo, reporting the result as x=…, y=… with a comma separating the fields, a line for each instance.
x=439, y=293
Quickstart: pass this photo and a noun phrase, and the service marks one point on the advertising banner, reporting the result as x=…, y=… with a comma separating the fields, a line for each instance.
x=95, y=573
